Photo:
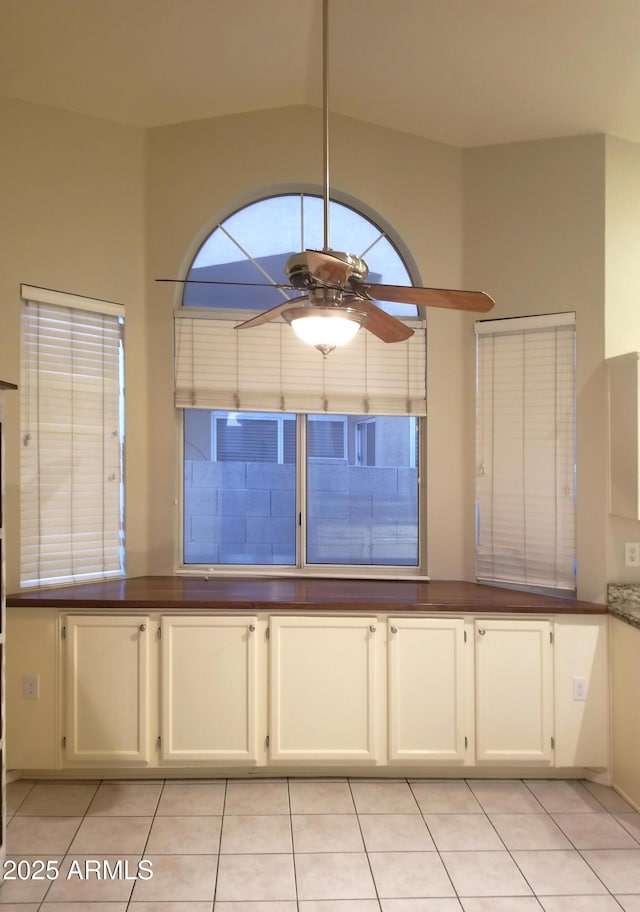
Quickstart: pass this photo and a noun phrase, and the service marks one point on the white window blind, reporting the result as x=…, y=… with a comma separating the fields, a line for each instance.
x=270, y=369
x=72, y=423
x=525, y=448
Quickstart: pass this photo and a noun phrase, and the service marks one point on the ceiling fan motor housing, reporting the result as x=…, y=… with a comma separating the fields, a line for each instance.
x=300, y=275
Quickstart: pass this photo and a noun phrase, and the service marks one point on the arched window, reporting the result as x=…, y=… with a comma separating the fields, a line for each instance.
x=254, y=243
x=294, y=464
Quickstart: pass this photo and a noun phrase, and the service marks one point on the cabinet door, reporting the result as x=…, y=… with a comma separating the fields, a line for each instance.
x=426, y=689
x=323, y=688
x=514, y=688
x=106, y=683
x=208, y=688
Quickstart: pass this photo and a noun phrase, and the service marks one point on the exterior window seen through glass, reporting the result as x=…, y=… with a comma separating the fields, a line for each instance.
x=240, y=479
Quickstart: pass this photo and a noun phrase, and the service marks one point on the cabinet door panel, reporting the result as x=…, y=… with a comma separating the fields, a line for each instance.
x=426, y=689
x=514, y=704
x=209, y=688
x=107, y=669
x=323, y=688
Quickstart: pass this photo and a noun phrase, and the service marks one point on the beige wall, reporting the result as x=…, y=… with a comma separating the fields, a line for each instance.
x=534, y=239
x=622, y=276
x=622, y=310
x=71, y=219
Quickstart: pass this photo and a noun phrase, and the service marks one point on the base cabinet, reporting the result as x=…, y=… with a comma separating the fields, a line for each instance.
x=323, y=689
x=513, y=691
x=427, y=693
x=208, y=691
x=106, y=689
x=317, y=691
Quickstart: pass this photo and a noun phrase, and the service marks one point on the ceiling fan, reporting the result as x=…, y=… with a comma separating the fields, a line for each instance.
x=337, y=299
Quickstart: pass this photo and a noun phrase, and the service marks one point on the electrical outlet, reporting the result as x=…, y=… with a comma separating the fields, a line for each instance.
x=580, y=689
x=31, y=687
x=632, y=554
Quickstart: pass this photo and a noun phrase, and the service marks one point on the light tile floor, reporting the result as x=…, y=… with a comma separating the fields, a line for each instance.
x=329, y=845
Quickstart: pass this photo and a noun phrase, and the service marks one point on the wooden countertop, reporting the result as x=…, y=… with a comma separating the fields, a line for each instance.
x=275, y=594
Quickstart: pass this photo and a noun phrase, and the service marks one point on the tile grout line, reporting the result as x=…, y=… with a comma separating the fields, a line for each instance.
x=224, y=804
x=146, y=842
x=66, y=852
x=575, y=848
x=293, y=848
x=522, y=874
x=446, y=870
x=364, y=845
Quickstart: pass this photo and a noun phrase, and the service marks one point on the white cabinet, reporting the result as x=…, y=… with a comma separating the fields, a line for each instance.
x=513, y=691
x=208, y=688
x=427, y=676
x=106, y=689
x=323, y=689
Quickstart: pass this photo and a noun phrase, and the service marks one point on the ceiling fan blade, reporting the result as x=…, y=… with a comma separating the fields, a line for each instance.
x=267, y=315
x=382, y=324
x=328, y=269
x=476, y=301
x=215, y=282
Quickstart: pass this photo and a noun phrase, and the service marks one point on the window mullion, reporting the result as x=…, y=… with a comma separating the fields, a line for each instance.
x=301, y=491
x=280, y=440
x=421, y=494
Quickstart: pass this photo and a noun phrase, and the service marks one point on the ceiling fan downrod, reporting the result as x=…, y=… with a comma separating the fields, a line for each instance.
x=325, y=117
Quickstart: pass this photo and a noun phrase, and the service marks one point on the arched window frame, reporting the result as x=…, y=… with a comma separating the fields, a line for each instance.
x=404, y=259
x=265, y=339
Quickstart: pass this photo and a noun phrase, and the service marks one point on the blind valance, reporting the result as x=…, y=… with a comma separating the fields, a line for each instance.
x=270, y=369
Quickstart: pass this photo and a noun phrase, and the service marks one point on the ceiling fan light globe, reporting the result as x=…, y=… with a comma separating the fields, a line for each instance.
x=325, y=331
x=332, y=331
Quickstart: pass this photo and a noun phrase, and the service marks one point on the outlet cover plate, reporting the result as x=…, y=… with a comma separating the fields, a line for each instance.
x=31, y=686
x=632, y=554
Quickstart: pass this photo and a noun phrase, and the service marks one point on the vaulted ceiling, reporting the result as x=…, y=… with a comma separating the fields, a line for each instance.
x=465, y=72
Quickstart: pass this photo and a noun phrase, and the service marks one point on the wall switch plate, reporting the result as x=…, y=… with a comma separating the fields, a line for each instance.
x=580, y=689
x=632, y=554
x=31, y=687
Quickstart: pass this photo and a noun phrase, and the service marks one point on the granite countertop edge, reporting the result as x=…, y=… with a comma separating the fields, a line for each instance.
x=623, y=600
